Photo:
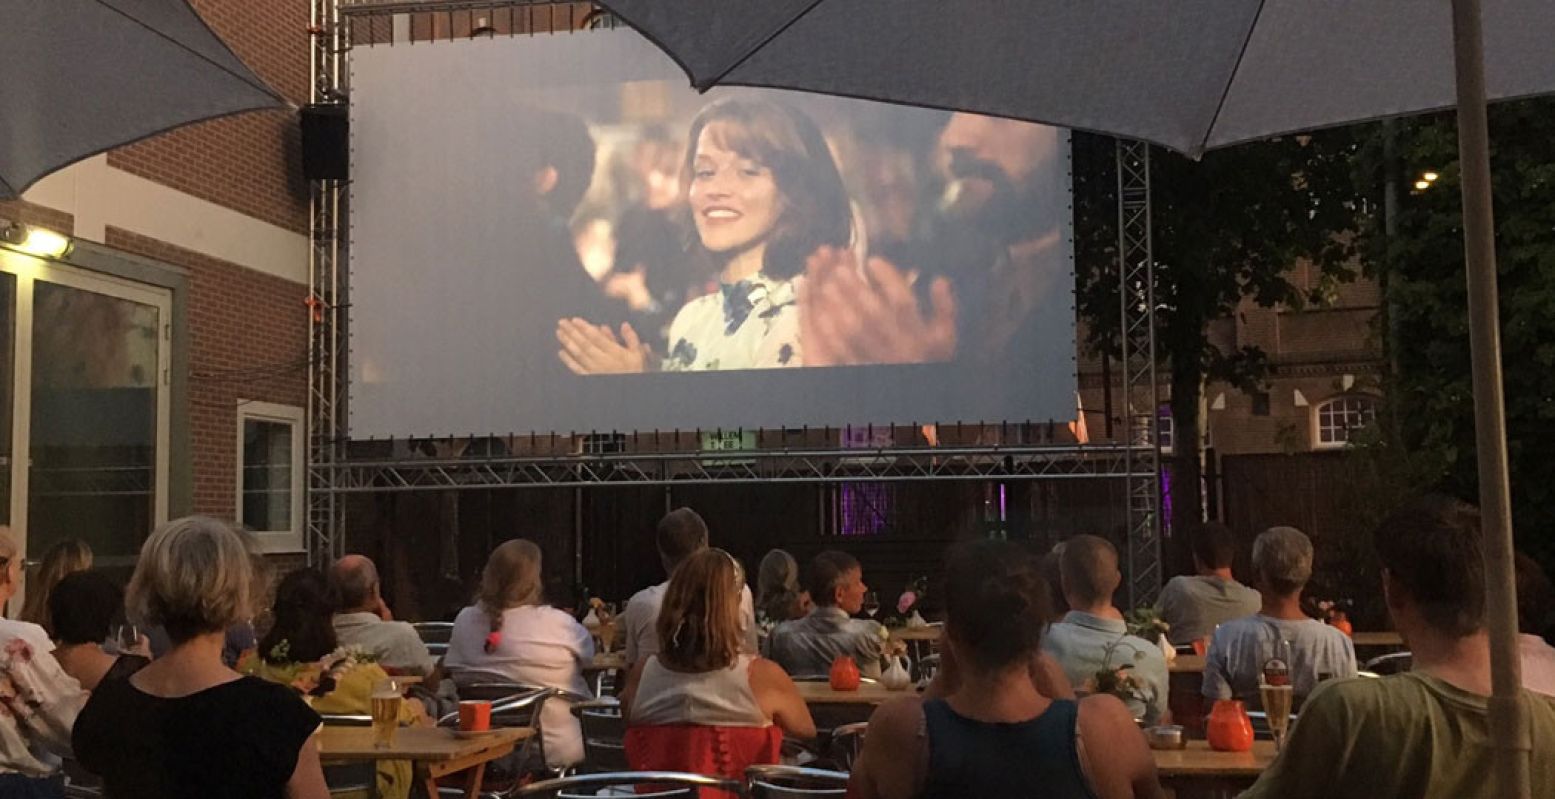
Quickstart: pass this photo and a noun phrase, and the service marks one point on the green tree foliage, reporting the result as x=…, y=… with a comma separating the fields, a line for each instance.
x=1225, y=228
x=1423, y=263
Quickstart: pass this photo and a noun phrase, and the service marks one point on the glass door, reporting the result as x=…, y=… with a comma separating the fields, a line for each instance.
x=94, y=378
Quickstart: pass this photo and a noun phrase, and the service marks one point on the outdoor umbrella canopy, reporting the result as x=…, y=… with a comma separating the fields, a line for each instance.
x=78, y=77
x=1189, y=75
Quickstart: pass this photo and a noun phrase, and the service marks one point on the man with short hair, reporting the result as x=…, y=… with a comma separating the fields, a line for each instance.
x=363, y=620
x=807, y=646
x=1192, y=604
x=1424, y=733
x=679, y=535
x=1093, y=638
x=1233, y=666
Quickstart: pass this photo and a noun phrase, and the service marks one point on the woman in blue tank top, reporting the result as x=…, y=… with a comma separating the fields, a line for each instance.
x=986, y=729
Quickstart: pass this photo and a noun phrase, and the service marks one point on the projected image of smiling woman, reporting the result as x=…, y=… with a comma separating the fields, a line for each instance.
x=764, y=194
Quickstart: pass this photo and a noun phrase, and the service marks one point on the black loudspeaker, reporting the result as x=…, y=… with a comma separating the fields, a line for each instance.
x=326, y=142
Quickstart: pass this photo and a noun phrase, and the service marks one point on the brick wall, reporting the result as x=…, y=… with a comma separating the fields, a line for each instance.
x=248, y=336
x=251, y=162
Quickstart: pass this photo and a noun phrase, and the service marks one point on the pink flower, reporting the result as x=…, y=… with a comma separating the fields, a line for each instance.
x=909, y=598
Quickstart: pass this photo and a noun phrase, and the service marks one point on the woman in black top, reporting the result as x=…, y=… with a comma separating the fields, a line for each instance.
x=186, y=725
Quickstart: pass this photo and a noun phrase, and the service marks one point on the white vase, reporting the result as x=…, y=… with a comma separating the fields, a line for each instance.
x=1167, y=650
x=916, y=620
x=592, y=620
x=895, y=676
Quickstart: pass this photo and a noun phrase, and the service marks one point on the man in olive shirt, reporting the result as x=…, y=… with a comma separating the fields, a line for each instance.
x=1192, y=604
x=1424, y=733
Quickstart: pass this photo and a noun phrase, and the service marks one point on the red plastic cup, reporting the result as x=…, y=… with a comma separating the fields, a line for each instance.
x=474, y=716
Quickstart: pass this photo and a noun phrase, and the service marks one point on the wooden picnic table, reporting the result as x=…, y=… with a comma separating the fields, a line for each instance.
x=1186, y=664
x=1381, y=639
x=611, y=661
x=820, y=693
x=931, y=633
x=435, y=752
x=1201, y=771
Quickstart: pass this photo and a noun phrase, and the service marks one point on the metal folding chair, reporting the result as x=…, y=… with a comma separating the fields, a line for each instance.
x=639, y=784
x=1391, y=663
x=349, y=778
x=604, y=736
x=847, y=742
x=793, y=782
x=435, y=634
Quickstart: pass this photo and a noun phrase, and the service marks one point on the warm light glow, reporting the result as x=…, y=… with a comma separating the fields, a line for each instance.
x=37, y=241
x=1422, y=184
x=1429, y=177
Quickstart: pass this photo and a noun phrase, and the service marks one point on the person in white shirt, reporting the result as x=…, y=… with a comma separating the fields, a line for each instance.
x=38, y=700
x=1194, y=604
x=1535, y=616
x=511, y=635
x=362, y=619
x=680, y=534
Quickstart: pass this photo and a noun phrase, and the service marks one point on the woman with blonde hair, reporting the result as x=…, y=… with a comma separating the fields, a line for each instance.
x=511, y=635
x=38, y=700
x=60, y=561
x=700, y=704
x=187, y=725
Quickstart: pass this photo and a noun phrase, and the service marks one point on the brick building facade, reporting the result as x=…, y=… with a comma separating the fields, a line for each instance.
x=218, y=210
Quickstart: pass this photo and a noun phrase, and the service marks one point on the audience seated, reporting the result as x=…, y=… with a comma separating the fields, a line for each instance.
x=1424, y=733
x=363, y=620
x=300, y=650
x=1093, y=638
x=59, y=561
x=779, y=597
x=701, y=704
x=186, y=725
x=807, y=646
x=994, y=733
x=679, y=535
x=84, y=607
x=510, y=635
x=1193, y=604
x=1233, y=666
x=38, y=700
x=1535, y=607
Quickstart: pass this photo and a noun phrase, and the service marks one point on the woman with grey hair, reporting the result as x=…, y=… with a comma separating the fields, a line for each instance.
x=511, y=635
x=187, y=725
x=1282, y=564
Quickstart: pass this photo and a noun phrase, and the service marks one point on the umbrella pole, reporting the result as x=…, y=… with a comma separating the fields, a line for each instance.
x=1508, y=717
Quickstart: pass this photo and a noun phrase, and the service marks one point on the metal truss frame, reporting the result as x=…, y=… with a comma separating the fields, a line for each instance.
x=324, y=538
x=904, y=464
x=1136, y=297
x=333, y=473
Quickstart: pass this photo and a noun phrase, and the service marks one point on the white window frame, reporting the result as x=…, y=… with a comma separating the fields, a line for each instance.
x=276, y=541
x=1317, y=419
x=1166, y=430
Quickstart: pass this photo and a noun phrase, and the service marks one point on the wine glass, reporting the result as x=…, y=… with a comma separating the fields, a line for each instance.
x=126, y=638
x=871, y=604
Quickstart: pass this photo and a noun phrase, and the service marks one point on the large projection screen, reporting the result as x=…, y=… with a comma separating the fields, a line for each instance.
x=556, y=233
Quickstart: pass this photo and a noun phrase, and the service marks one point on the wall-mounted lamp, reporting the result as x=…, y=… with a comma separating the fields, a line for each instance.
x=33, y=240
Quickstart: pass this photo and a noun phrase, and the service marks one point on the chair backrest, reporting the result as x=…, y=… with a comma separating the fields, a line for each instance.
x=512, y=705
x=1391, y=663
x=656, y=784
x=604, y=738
x=793, y=782
x=827, y=678
x=847, y=742
x=434, y=632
